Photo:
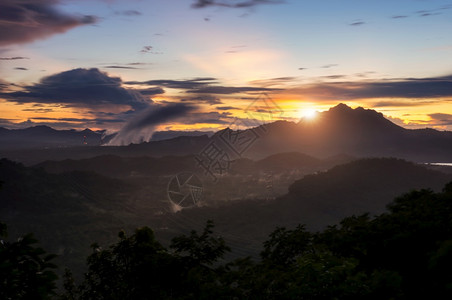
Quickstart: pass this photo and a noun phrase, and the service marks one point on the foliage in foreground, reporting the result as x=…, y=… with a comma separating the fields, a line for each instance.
x=405, y=253
x=26, y=271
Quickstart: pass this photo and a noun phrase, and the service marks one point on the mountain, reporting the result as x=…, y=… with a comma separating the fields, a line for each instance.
x=66, y=212
x=357, y=132
x=318, y=200
x=39, y=137
x=170, y=134
x=181, y=146
x=360, y=186
x=341, y=130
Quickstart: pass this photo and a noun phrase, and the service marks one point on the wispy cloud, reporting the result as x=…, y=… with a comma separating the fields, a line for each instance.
x=14, y=58
x=441, y=119
x=146, y=49
x=150, y=49
x=230, y=89
x=177, y=84
x=411, y=88
x=233, y=3
x=120, y=67
x=206, y=99
x=399, y=17
x=128, y=13
x=357, y=23
x=152, y=91
x=329, y=66
x=226, y=108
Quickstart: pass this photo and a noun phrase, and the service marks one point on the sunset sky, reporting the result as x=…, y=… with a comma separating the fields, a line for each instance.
x=102, y=64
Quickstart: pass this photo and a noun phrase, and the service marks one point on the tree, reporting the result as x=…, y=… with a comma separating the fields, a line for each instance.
x=201, y=249
x=139, y=267
x=26, y=271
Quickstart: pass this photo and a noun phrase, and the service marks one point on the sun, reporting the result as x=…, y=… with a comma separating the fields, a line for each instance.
x=308, y=113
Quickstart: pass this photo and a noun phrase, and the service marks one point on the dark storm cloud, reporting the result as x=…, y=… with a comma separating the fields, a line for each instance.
x=177, y=84
x=79, y=88
x=23, y=21
x=233, y=3
x=13, y=58
x=434, y=87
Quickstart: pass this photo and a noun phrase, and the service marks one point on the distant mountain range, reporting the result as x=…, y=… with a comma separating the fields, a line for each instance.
x=341, y=130
x=171, y=134
x=46, y=137
x=39, y=137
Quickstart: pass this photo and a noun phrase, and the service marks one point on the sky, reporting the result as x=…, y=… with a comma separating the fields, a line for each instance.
x=204, y=64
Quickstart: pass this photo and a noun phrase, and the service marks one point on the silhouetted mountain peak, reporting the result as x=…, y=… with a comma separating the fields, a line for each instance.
x=341, y=107
x=344, y=109
x=358, y=118
x=40, y=128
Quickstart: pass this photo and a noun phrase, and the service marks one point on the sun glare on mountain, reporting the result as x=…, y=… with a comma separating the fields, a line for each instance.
x=308, y=114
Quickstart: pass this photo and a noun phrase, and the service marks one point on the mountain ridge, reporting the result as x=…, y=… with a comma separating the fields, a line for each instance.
x=355, y=132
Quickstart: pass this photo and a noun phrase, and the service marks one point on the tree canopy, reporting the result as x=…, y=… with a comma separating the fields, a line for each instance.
x=405, y=253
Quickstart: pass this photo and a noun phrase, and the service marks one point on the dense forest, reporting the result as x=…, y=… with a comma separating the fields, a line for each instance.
x=404, y=253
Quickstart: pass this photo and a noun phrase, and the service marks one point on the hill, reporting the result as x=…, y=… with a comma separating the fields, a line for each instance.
x=316, y=200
